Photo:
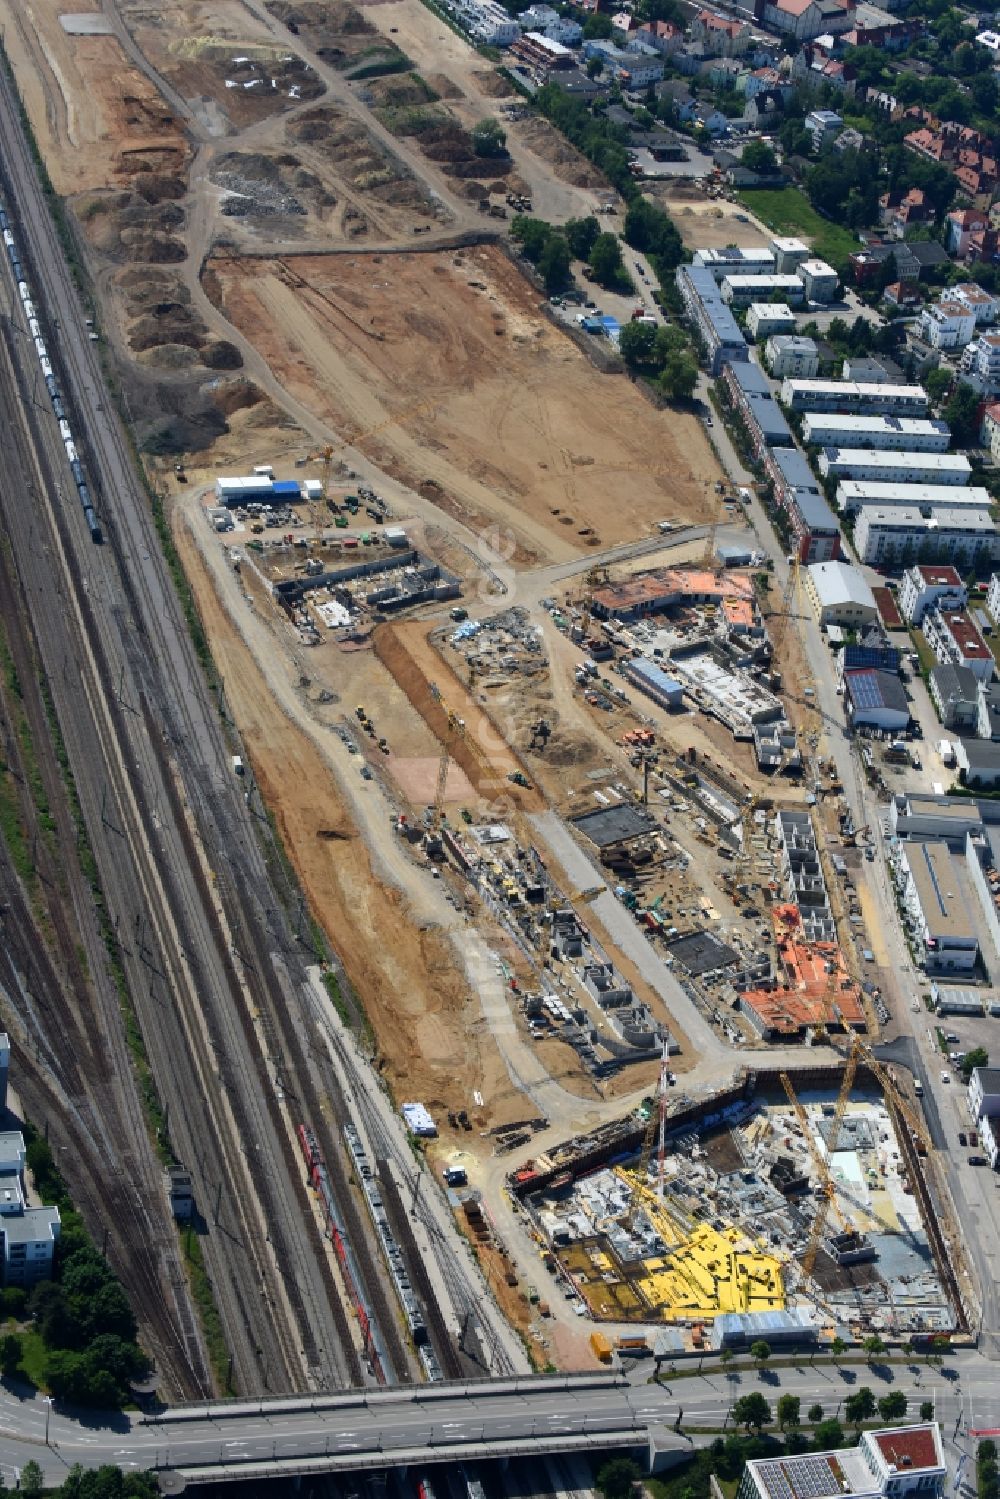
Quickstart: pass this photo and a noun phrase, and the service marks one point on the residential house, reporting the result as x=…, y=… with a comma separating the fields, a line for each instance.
x=764, y=109
x=953, y=637
x=850, y=140
x=989, y=436
x=927, y=143
x=954, y=692
x=900, y=212
x=721, y=36
x=823, y=126
x=925, y=587
x=980, y=365
x=929, y=255
x=947, y=325
x=982, y=304
x=722, y=72
x=960, y=225
x=805, y=19
x=988, y=711
x=903, y=295
x=791, y=354
x=814, y=65
x=867, y=264
x=663, y=36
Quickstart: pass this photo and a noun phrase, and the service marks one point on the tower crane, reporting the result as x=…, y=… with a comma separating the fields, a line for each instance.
x=828, y=1190
x=656, y=1129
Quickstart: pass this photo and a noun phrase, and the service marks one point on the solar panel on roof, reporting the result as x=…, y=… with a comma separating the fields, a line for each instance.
x=865, y=690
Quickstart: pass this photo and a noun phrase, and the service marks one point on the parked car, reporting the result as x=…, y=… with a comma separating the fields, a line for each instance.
x=961, y=1137
x=977, y=1160
x=945, y=1076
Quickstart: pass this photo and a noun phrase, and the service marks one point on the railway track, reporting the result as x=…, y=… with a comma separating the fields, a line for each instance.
x=137, y=725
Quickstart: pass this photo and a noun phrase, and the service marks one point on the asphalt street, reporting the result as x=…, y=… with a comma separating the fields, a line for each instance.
x=497, y=1417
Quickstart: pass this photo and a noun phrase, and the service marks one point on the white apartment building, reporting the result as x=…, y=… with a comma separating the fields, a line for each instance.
x=819, y=280
x=984, y=1108
x=947, y=325
x=989, y=432
x=27, y=1235
x=822, y=125
x=890, y=433
x=886, y=534
x=788, y=254
x=983, y=305
x=765, y=318
x=936, y=898
x=948, y=469
x=925, y=586
x=849, y=396
x=791, y=354
x=853, y=493
x=993, y=597
x=731, y=261
x=488, y=23
x=954, y=639
x=739, y=290
x=980, y=364
x=894, y=1463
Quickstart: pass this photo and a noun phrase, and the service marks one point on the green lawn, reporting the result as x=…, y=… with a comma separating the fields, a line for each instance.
x=33, y=1357
x=788, y=212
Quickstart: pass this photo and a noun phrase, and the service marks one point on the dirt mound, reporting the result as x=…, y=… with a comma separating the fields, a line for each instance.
x=406, y=90
x=569, y=164
x=157, y=249
x=176, y=324
x=159, y=187
x=231, y=396
x=221, y=355
x=170, y=357
x=492, y=84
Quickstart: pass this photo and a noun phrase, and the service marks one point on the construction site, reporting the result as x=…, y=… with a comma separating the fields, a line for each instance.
x=774, y=1197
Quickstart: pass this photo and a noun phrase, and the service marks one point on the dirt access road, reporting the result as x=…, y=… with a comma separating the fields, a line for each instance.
x=442, y=370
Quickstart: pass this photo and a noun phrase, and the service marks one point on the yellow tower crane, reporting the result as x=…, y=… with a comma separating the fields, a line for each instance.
x=828, y=1189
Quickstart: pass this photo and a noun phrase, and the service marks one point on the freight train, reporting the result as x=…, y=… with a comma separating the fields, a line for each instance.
x=45, y=364
x=397, y=1268
x=319, y=1178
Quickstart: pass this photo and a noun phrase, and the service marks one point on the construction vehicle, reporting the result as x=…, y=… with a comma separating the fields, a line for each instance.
x=519, y=779
x=540, y=732
x=360, y=713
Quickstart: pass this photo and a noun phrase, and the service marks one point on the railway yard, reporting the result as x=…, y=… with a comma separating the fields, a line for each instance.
x=434, y=759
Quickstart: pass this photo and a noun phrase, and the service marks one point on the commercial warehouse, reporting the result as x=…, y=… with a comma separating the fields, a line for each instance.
x=938, y=901
x=892, y=433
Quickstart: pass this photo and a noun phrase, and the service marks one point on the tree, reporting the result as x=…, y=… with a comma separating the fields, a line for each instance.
x=595, y=64
x=760, y=1352
x=960, y=414
x=678, y=377
x=618, y=1477
x=489, y=138
x=752, y=1411
x=788, y=1410
x=531, y=235
x=838, y=1348
x=927, y=1410
x=758, y=156
x=637, y=345
x=977, y=1057
x=10, y=1354
x=892, y=1407
x=606, y=260
x=828, y=1434
x=554, y=263
x=873, y=1346
x=937, y=383
x=32, y=1478
x=815, y=1413
x=597, y=27
x=860, y=1406
x=580, y=235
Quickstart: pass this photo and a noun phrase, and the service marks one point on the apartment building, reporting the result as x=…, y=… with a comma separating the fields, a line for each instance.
x=766, y=318
x=947, y=325
x=850, y=396
x=925, y=587
x=791, y=354
x=862, y=464
x=886, y=433
x=712, y=319
x=980, y=365
x=964, y=535
x=852, y=494
x=953, y=637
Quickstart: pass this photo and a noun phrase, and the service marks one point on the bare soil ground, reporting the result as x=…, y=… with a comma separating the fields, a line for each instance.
x=96, y=119
x=442, y=369
x=432, y=1041
x=705, y=223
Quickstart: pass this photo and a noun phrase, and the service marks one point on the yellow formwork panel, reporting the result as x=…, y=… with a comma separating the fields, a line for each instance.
x=710, y=1273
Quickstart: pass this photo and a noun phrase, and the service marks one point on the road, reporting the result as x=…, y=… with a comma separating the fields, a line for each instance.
x=553, y=1413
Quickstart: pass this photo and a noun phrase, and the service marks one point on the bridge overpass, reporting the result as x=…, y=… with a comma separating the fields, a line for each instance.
x=527, y=1415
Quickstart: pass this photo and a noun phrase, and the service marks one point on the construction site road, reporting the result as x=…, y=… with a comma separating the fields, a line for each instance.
x=356, y=1428
x=203, y=943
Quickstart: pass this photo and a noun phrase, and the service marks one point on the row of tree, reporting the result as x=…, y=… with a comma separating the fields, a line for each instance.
x=82, y=1315
x=662, y=353
x=753, y=1413
x=84, y=1483
x=552, y=250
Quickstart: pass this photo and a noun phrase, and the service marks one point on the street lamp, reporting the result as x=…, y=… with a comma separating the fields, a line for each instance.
x=49, y=1402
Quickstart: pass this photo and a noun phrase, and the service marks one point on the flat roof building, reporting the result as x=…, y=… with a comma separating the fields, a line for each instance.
x=742, y=288
x=791, y=354
x=750, y=392
x=926, y=586
x=853, y=494
x=715, y=324
x=888, y=1464
x=852, y=396
x=963, y=534
x=912, y=434
x=938, y=901
x=765, y=318
x=868, y=464
x=720, y=262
